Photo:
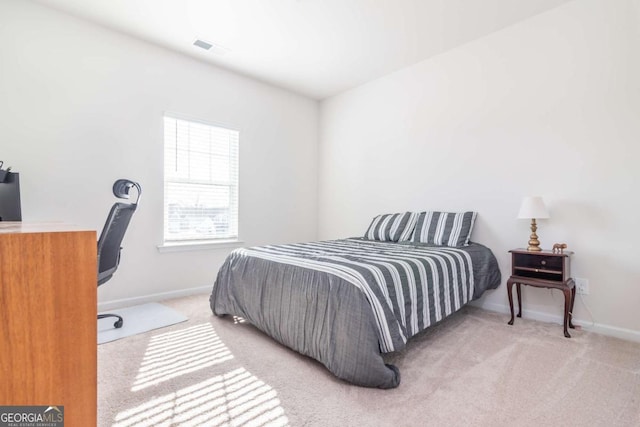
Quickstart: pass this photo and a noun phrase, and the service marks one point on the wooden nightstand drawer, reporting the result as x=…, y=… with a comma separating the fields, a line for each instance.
x=547, y=262
x=544, y=265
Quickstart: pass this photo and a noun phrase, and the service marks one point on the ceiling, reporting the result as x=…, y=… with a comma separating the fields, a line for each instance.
x=317, y=48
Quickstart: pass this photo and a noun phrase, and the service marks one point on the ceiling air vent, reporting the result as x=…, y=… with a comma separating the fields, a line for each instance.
x=203, y=44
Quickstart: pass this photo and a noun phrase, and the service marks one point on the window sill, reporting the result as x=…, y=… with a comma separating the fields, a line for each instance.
x=199, y=246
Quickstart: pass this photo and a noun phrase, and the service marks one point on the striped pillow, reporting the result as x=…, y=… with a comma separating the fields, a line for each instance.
x=444, y=228
x=392, y=227
x=408, y=229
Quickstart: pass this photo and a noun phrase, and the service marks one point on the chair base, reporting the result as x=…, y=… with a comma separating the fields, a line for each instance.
x=118, y=323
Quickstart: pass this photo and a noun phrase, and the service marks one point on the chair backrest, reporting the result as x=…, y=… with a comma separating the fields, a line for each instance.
x=114, y=229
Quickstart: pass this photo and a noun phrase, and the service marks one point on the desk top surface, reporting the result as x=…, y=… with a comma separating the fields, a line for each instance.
x=7, y=227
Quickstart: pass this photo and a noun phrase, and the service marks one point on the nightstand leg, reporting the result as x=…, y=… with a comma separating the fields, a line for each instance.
x=567, y=309
x=519, y=292
x=573, y=300
x=509, y=289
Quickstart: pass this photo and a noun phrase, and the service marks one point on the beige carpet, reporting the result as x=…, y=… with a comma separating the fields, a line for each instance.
x=470, y=370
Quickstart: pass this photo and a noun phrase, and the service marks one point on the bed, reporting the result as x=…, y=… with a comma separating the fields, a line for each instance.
x=347, y=302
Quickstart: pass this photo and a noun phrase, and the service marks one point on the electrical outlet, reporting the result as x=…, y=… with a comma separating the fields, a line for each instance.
x=582, y=286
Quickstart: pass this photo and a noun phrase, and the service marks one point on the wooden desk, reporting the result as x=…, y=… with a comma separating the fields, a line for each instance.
x=48, y=292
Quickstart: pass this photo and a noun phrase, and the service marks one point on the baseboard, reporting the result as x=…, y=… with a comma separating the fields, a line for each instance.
x=127, y=302
x=612, y=331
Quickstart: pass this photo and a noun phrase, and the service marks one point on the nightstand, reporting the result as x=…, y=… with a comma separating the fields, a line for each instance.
x=544, y=269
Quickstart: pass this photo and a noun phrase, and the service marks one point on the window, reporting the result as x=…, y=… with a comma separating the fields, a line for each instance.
x=200, y=181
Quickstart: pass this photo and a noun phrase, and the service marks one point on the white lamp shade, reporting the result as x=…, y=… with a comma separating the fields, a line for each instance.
x=533, y=207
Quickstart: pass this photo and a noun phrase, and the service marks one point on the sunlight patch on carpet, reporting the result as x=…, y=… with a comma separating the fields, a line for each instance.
x=236, y=398
x=176, y=353
x=238, y=319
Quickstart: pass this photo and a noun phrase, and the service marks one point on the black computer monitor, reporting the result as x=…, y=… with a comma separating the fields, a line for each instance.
x=10, y=198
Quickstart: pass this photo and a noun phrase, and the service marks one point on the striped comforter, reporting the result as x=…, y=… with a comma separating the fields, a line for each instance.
x=319, y=298
x=409, y=288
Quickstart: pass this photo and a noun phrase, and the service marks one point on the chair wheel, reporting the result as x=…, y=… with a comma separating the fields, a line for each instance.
x=118, y=324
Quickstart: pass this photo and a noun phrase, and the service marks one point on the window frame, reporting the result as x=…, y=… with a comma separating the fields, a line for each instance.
x=204, y=242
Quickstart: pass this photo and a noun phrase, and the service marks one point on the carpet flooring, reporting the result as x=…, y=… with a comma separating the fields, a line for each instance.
x=472, y=369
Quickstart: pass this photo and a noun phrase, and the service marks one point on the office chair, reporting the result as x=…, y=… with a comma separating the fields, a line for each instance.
x=112, y=235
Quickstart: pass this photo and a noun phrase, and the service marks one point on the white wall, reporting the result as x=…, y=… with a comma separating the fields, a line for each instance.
x=550, y=107
x=81, y=106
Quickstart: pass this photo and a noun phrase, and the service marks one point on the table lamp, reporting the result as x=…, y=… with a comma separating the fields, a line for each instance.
x=532, y=208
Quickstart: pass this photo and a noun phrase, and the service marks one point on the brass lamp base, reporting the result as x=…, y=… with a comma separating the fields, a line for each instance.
x=534, y=243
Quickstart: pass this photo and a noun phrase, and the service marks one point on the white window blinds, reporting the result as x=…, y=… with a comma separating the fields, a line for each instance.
x=200, y=181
